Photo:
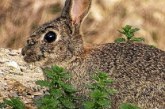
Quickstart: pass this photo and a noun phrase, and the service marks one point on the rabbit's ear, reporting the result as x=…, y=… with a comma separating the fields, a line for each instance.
x=66, y=9
x=76, y=10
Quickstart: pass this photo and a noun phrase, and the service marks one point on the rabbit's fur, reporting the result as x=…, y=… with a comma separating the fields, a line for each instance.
x=138, y=69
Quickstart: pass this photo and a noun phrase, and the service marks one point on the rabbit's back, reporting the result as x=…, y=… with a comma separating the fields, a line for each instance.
x=138, y=71
x=140, y=57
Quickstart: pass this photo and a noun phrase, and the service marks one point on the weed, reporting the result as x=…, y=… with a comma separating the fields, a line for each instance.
x=15, y=103
x=128, y=106
x=99, y=97
x=129, y=32
x=60, y=94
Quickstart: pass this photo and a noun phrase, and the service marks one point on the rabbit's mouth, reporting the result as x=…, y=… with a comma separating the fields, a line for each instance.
x=32, y=56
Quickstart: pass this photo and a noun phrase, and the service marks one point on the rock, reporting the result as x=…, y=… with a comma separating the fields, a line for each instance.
x=17, y=78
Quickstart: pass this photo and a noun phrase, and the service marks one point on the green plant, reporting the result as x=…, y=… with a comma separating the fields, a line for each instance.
x=99, y=97
x=128, y=32
x=153, y=46
x=2, y=105
x=128, y=106
x=60, y=94
x=15, y=103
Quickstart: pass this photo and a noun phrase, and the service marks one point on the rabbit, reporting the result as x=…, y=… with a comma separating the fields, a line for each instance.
x=138, y=70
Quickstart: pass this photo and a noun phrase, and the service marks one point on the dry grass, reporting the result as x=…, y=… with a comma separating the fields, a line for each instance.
x=18, y=18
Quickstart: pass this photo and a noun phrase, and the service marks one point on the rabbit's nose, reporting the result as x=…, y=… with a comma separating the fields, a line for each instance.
x=26, y=50
x=23, y=51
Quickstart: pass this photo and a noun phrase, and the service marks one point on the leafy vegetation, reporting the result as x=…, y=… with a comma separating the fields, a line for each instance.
x=129, y=32
x=100, y=92
x=15, y=103
x=128, y=106
x=61, y=95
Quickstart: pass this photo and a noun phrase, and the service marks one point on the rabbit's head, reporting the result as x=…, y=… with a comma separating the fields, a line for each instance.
x=59, y=39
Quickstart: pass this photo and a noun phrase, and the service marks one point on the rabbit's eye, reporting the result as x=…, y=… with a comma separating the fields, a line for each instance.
x=50, y=37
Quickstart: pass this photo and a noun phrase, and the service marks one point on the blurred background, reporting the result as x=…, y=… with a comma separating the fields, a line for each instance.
x=19, y=18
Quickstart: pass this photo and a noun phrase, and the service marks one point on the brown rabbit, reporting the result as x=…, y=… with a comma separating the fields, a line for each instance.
x=138, y=69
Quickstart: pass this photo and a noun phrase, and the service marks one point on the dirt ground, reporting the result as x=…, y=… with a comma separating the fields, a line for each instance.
x=18, y=18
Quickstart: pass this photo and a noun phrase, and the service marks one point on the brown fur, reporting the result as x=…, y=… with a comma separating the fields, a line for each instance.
x=138, y=69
